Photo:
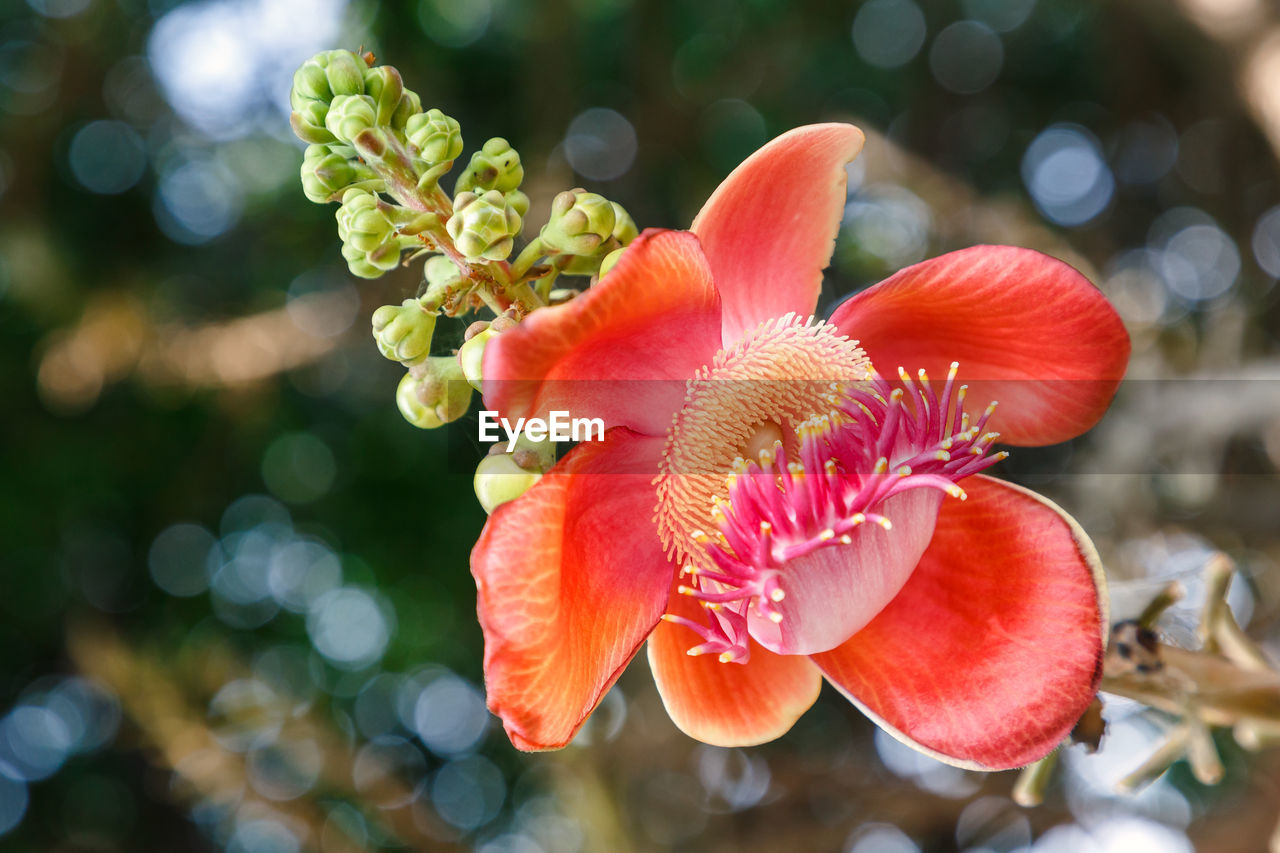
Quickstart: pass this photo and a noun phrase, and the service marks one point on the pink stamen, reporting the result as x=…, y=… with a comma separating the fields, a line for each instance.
x=870, y=447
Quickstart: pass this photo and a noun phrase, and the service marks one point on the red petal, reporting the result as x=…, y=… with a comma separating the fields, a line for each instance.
x=836, y=590
x=728, y=704
x=622, y=350
x=993, y=649
x=770, y=228
x=1027, y=329
x=571, y=579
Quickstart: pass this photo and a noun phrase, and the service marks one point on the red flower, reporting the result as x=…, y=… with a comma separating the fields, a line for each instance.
x=763, y=487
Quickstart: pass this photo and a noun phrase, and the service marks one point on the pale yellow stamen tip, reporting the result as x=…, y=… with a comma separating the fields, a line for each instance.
x=886, y=524
x=777, y=595
x=685, y=590
x=826, y=535
x=765, y=528
x=775, y=617
x=846, y=539
x=882, y=465
x=726, y=657
x=858, y=518
x=942, y=456
x=904, y=471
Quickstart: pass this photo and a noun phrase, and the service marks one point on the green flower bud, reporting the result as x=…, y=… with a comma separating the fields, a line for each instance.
x=437, y=137
x=500, y=479
x=385, y=86
x=434, y=393
x=308, y=123
x=344, y=71
x=358, y=262
x=325, y=174
x=350, y=114
x=519, y=201
x=496, y=166
x=609, y=261
x=363, y=221
x=471, y=356
x=404, y=331
x=482, y=226
x=624, y=227
x=410, y=105
x=580, y=223
x=311, y=81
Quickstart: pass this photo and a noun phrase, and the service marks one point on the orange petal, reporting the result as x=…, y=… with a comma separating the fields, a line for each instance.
x=622, y=350
x=770, y=227
x=993, y=649
x=570, y=580
x=728, y=704
x=1027, y=330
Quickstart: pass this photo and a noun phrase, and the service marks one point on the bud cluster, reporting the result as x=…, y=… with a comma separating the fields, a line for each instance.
x=372, y=148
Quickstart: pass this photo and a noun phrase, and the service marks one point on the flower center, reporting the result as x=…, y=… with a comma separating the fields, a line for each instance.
x=870, y=443
x=749, y=396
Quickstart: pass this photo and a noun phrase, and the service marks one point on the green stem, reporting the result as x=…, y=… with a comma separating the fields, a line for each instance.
x=383, y=153
x=527, y=258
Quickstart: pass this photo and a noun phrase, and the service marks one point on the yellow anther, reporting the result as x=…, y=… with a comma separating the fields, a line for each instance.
x=903, y=375
x=897, y=395
x=955, y=491
x=775, y=617
x=882, y=465
x=942, y=456
x=830, y=467
x=711, y=605
x=826, y=535
x=726, y=657
x=685, y=590
x=885, y=523
x=904, y=471
x=1003, y=454
x=667, y=617
x=846, y=539
x=858, y=518
x=924, y=377
x=951, y=372
x=777, y=595
x=765, y=528
x=699, y=537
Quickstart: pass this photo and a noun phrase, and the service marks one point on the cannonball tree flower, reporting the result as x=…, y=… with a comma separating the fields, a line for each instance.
x=776, y=502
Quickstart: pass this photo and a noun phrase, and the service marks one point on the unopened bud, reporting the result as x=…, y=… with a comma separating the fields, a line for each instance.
x=609, y=261
x=311, y=81
x=519, y=201
x=344, y=70
x=624, y=227
x=410, y=105
x=434, y=393
x=439, y=270
x=496, y=166
x=580, y=223
x=358, y=262
x=349, y=115
x=500, y=479
x=326, y=173
x=437, y=137
x=308, y=122
x=483, y=226
x=404, y=331
x=471, y=356
x=385, y=86
x=362, y=221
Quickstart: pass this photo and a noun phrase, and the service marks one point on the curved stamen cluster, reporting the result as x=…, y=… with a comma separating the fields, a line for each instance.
x=877, y=442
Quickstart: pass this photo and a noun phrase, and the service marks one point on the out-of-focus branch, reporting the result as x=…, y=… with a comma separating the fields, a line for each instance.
x=116, y=336
x=173, y=726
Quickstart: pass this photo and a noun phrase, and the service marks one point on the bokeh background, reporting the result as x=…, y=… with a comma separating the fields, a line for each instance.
x=235, y=610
